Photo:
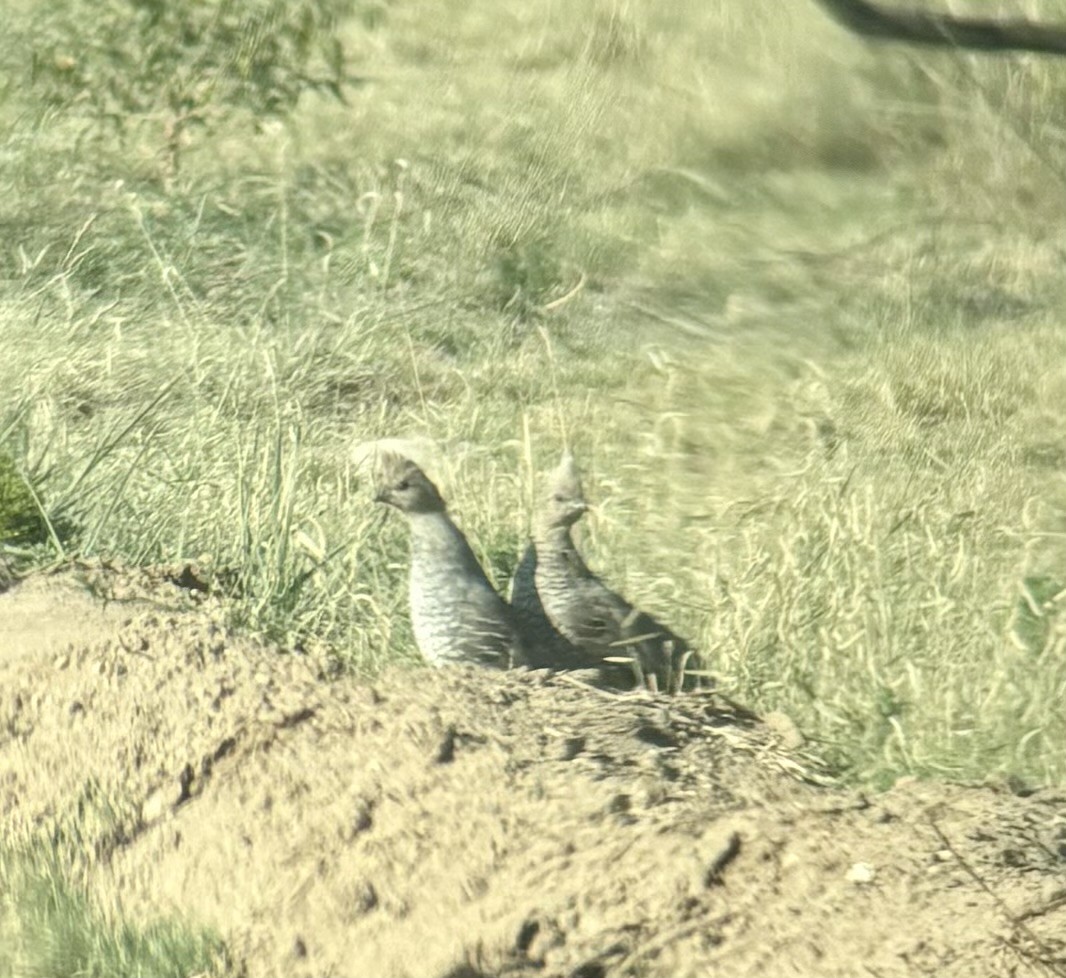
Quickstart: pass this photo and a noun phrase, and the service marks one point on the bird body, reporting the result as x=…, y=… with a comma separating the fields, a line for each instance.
x=456, y=614
x=546, y=645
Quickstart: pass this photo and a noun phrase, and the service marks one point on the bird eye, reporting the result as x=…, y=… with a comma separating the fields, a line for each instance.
x=403, y=486
x=559, y=498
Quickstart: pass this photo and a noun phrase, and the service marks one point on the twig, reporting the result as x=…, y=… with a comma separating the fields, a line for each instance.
x=1049, y=955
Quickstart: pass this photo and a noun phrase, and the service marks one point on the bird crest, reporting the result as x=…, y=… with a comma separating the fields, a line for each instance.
x=565, y=481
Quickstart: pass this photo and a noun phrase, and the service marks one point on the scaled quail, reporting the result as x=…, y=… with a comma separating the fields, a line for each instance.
x=456, y=613
x=584, y=610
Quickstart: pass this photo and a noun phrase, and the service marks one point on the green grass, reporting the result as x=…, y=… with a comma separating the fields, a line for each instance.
x=49, y=929
x=815, y=367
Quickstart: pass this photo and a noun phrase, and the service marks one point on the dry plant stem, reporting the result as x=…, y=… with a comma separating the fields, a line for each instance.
x=1052, y=957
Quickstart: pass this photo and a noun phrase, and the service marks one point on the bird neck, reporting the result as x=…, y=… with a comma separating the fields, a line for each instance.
x=435, y=538
x=555, y=538
x=429, y=529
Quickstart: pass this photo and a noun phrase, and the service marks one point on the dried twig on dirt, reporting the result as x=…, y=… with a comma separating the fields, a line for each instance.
x=1034, y=947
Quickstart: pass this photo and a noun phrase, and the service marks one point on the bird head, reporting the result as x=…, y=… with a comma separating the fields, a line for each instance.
x=565, y=503
x=403, y=484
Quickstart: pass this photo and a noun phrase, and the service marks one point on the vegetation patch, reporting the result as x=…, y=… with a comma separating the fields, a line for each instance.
x=20, y=512
x=50, y=929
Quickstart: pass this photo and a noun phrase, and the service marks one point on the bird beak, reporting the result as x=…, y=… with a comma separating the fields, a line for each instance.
x=381, y=496
x=574, y=512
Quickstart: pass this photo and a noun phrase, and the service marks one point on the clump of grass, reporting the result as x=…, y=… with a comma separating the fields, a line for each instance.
x=50, y=929
x=20, y=515
x=879, y=566
x=868, y=618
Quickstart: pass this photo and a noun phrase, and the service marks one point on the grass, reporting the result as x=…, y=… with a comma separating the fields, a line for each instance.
x=50, y=930
x=814, y=367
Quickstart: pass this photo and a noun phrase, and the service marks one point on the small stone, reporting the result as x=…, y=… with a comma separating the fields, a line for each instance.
x=1052, y=892
x=861, y=874
x=160, y=801
x=620, y=804
x=572, y=747
x=446, y=749
x=365, y=898
x=785, y=729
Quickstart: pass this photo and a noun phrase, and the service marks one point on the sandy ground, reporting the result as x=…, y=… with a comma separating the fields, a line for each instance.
x=462, y=823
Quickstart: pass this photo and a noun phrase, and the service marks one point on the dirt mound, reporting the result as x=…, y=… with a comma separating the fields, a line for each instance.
x=458, y=822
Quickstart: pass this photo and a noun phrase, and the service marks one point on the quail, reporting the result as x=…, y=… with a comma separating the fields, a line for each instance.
x=456, y=613
x=587, y=613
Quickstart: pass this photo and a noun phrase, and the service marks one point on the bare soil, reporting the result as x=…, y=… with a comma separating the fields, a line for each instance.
x=464, y=823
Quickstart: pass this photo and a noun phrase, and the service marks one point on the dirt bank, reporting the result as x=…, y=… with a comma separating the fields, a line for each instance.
x=457, y=822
